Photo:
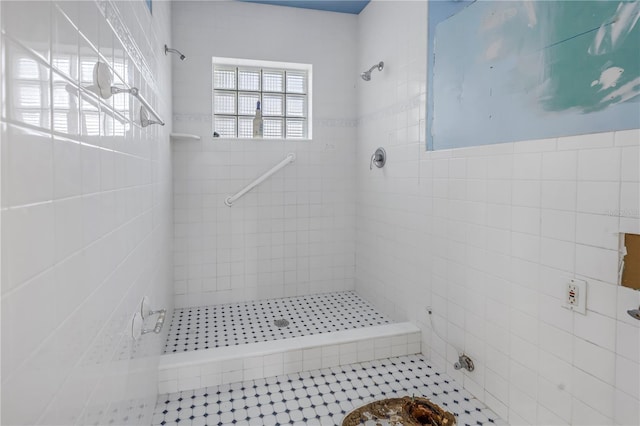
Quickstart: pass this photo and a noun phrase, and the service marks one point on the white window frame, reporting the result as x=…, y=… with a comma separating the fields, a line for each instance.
x=284, y=66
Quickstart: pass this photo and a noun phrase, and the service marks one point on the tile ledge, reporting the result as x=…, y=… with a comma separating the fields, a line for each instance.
x=183, y=359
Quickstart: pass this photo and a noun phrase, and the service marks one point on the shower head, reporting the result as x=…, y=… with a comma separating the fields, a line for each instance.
x=366, y=75
x=176, y=51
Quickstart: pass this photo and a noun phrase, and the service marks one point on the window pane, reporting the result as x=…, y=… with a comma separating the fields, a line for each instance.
x=296, y=128
x=247, y=103
x=86, y=72
x=225, y=126
x=29, y=95
x=63, y=64
x=225, y=103
x=283, y=96
x=245, y=127
x=296, y=106
x=296, y=82
x=272, y=104
x=272, y=81
x=28, y=69
x=224, y=78
x=272, y=128
x=249, y=80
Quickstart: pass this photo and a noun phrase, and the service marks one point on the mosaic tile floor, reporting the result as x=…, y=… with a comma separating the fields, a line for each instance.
x=320, y=397
x=251, y=322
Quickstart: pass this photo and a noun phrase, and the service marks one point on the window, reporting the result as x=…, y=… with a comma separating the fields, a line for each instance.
x=283, y=90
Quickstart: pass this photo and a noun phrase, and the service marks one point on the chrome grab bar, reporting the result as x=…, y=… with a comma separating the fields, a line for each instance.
x=103, y=87
x=159, y=322
x=290, y=158
x=135, y=92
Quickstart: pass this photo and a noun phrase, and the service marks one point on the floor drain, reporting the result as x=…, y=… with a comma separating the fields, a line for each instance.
x=281, y=322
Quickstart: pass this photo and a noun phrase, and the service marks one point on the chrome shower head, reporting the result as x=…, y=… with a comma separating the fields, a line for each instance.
x=176, y=51
x=366, y=75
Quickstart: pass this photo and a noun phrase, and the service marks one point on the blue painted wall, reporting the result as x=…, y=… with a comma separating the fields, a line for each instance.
x=439, y=11
x=512, y=71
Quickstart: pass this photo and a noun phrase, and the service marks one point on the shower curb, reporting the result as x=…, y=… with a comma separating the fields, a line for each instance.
x=230, y=364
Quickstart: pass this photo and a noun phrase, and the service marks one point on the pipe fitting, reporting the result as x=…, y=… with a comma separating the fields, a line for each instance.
x=464, y=362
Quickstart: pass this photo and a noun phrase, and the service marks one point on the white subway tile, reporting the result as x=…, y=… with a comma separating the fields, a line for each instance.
x=593, y=392
x=599, y=164
x=189, y=383
x=556, y=400
x=559, y=195
x=630, y=168
x=628, y=341
x=547, y=417
x=587, y=141
x=585, y=414
x=558, y=224
x=597, y=230
x=627, y=137
x=598, y=197
x=560, y=165
x=527, y=166
x=169, y=386
x=626, y=376
x=557, y=254
x=626, y=410
x=630, y=199
x=594, y=262
x=522, y=407
x=595, y=360
x=596, y=328
x=526, y=193
x=28, y=243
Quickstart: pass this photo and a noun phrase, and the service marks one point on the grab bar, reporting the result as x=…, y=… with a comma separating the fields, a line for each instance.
x=103, y=87
x=290, y=158
x=133, y=91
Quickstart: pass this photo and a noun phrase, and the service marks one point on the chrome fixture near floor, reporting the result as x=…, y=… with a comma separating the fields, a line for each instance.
x=464, y=362
x=635, y=313
x=167, y=49
x=366, y=75
x=379, y=158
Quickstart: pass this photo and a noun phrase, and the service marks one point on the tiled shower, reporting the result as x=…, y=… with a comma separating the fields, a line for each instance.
x=99, y=212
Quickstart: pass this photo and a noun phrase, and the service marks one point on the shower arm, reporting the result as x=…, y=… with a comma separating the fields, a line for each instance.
x=379, y=65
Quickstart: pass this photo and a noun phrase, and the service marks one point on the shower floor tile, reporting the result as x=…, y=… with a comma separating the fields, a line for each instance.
x=250, y=322
x=320, y=397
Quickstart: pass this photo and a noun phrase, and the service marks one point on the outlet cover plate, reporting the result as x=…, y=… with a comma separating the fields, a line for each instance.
x=575, y=296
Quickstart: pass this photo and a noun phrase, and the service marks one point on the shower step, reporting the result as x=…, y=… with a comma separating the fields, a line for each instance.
x=211, y=367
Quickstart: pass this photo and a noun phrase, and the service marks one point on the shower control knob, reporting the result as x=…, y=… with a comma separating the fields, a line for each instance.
x=379, y=158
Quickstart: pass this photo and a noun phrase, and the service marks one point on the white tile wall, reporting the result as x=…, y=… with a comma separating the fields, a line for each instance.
x=85, y=211
x=293, y=235
x=488, y=236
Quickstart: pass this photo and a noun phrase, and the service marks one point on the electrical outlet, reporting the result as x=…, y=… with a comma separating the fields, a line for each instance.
x=572, y=295
x=575, y=297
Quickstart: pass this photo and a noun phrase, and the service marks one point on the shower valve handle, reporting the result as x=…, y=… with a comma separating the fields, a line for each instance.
x=379, y=158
